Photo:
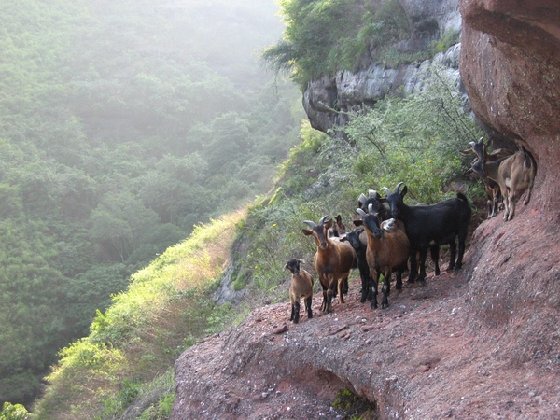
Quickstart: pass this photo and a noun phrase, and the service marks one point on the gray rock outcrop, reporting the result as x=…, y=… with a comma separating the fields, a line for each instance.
x=328, y=100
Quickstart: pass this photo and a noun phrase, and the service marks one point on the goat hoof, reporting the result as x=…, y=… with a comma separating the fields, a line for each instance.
x=438, y=272
x=384, y=305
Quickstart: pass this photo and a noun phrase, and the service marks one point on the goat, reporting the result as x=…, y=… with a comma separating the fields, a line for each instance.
x=301, y=286
x=514, y=175
x=358, y=240
x=491, y=187
x=333, y=260
x=435, y=224
x=386, y=250
x=374, y=198
x=381, y=207
x=338, y=229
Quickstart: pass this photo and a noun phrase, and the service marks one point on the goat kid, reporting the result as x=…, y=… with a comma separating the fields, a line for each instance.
x=301, y=287
x=333, y=260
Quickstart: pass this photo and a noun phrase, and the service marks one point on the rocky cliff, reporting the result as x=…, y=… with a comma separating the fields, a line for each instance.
x=510, y=64
x=483, y=343
x=328, y=100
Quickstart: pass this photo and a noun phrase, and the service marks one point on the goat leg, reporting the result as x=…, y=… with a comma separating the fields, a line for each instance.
x=452, y=255
x=386, y=289
x=413, y=267
x=374, y=291
x=308, y=306
x=296, y=309
x=400, y=270
x=461, y=249
x=434, y=254
x=422, y=276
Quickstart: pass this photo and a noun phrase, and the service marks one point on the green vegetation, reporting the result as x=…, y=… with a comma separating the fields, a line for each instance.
x=166, y=308
x=414, y=139
x=354, y=407
x=126, y=361
x=325, y=36
x=123, y=128
x=122, y=125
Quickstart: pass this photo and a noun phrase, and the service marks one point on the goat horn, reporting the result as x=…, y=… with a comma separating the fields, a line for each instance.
x=324, y=220
x=399, y=186
x=373, y=194
x=362, y=198
x=361, y=212
x=310, y=223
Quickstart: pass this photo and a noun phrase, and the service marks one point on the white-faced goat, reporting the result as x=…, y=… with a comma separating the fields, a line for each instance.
x=514, y=175
x=301, y=287
x=438, y=224
x=386, y=250
x=333, y=260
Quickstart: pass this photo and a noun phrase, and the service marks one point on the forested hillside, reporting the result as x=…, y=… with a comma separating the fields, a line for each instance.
x=122, y=124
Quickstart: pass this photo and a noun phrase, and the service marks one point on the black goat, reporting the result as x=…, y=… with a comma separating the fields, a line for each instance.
x=382, y=208
x=436, y=224
x=358, y=239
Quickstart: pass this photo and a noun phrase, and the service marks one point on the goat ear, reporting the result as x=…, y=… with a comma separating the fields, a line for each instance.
x=307, y=232
x=404, y=190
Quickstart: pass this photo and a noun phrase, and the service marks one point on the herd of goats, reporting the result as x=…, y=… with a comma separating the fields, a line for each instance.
x=391, y=235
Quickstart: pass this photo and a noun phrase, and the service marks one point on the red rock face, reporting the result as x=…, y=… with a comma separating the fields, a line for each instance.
x=510, y=64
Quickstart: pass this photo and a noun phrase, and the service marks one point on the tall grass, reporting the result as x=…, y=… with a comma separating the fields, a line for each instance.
x=166, y=308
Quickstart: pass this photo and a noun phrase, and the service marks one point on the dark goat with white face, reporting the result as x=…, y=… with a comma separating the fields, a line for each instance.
x=442, y=223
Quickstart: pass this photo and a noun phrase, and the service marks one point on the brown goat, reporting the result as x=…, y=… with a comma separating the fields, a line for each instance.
x=514, y=176
x=491, y=187
x=333, y=260
x=386, y=250
x=301, y=286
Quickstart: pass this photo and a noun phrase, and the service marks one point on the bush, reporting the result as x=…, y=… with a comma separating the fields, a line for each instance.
x=13, y=412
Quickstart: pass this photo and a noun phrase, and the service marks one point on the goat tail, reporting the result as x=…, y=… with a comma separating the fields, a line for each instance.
x=529, y=161
x=462, y=197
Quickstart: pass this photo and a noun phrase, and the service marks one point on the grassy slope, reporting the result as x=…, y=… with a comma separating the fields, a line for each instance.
x=132, y=347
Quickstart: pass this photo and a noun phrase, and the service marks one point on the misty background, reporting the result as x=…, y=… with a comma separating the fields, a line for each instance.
x=122, y=124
